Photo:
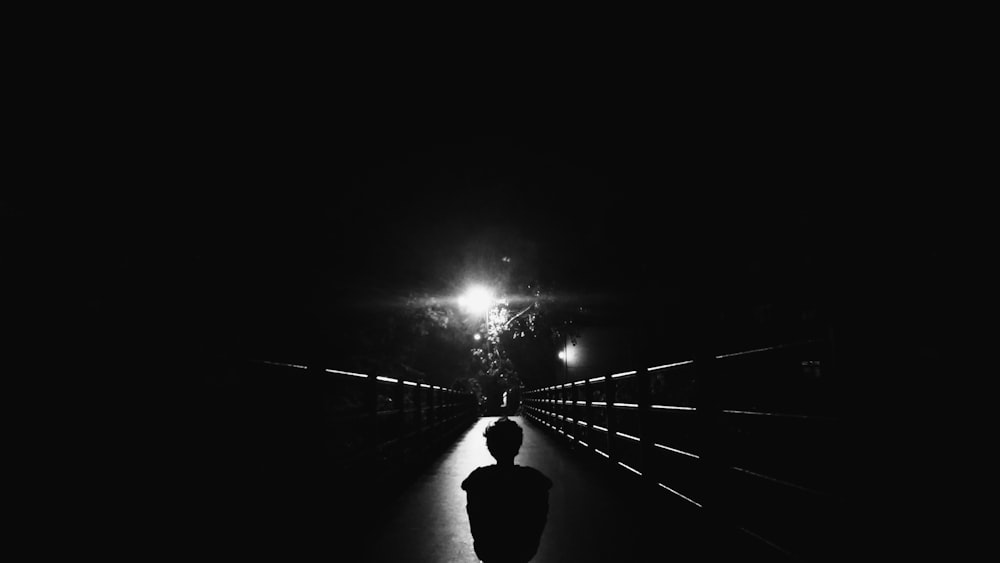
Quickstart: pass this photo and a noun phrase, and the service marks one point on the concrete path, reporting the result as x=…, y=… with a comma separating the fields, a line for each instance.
x=593, y=516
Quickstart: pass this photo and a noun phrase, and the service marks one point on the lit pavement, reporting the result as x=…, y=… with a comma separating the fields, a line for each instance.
x=593, y=517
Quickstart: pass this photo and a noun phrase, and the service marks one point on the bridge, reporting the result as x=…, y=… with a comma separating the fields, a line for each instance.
x=741, y=445
x=737, y=455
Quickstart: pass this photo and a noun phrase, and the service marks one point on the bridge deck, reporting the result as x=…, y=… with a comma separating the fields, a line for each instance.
x=593, y=516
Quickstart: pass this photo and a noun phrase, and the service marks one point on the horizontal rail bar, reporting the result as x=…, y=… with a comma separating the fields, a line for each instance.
x=603, y=377
x=632, y=469
x=668, y=366
x=631, y=405
x=380, y=378
x=768, y=349
x=748, y=352
x=351, y=373
x=680, y=364
x=623, y=374
x=282, y=364
x=692, y=501
x=781, y=415
x=622, y=464
x=675, y=450
x=779, y=481
x=671, y=408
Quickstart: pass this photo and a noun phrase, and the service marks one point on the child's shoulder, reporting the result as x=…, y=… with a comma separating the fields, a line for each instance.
x=477, y=476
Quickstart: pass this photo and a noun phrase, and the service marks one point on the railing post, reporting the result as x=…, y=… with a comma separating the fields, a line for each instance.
x=400, y=392
x=371, y=408
x=434, y=398
x=449, y=404
x=556, y=409
x=549, y=407
x=418, y=403
x=643, y=330
x=569, y=409
x=577, y=432
x=645, y=430
x=588, y=414
x=708, y=414
x=568, y=427
x=563, y=410
x=609, y=398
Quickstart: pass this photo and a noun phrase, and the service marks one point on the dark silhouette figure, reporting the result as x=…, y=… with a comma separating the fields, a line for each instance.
x=507, y=504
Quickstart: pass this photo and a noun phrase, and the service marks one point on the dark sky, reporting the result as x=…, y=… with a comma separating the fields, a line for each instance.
x=214, y=216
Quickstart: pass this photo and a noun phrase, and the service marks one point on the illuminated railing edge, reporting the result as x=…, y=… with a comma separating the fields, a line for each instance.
x=607, y=456
x=380, y=378
x=762, y=349
x=282, y=364
x=781, y=415
x=751, y=413
x=679, y=364
x=613, y=376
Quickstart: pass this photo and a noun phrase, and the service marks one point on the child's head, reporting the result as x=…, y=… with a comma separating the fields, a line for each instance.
x=503, y=439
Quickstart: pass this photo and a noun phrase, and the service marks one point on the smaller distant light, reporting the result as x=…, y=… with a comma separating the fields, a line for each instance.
x=477, y=336
x=570, y=354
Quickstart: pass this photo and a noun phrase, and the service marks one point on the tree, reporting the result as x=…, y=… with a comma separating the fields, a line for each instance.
x=521, y=337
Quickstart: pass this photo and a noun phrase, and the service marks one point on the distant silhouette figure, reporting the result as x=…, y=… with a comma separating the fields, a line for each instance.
x=507, y=504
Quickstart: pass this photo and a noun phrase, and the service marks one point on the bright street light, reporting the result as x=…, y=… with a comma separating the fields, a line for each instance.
x=477, y=300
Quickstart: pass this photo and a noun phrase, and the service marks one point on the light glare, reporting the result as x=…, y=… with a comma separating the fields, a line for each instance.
x=477, y=299
x=569, y=355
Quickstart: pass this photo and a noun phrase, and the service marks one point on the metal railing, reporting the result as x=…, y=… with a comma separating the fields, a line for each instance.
x=366, y=422
x=753, y=440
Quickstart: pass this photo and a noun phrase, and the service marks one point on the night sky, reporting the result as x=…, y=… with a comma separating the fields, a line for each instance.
x=215, y=221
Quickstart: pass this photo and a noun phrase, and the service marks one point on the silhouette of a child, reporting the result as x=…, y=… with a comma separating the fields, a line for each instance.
x=507, y=504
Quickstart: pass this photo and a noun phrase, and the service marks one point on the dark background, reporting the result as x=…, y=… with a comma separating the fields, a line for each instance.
x=164, y=225
x=227, y=214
